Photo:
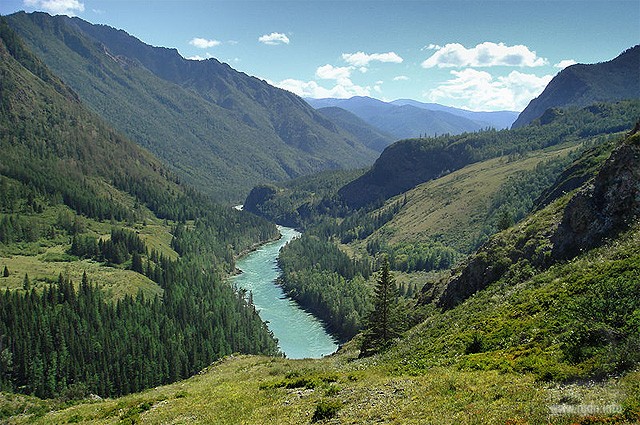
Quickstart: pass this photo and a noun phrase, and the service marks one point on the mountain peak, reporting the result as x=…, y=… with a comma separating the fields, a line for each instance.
x=582, y=85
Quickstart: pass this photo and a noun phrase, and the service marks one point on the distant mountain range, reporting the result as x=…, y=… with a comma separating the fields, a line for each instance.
x=582, y=85
x=406, y=118
x=220, y=130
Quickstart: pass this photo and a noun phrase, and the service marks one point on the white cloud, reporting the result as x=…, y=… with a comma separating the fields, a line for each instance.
x=432, y=47
x=481, y=91
x=203, y=43
x=361, y=59
x=401, y=78
x=200, y=58
x=274, y=38
x=57, y=7
x=565, y=63
x=344, y=89
x=483, y=55
x=330, y=72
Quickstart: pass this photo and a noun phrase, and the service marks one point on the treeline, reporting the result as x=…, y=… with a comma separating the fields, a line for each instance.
x=418, y=256
x=120, y=247
x=326, y=282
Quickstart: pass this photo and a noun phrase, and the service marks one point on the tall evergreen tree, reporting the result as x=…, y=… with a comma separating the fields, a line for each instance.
x=6, y=272
x=26, y=283
x=382, y=326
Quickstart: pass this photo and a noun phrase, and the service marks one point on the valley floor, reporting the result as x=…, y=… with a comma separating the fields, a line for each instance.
x=342, y=389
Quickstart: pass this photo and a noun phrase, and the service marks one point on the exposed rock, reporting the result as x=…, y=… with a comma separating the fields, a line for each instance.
x=603, y=208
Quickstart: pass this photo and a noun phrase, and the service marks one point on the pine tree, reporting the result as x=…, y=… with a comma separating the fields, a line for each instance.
x=382, y=324
x=26, y=283
x=6, y=272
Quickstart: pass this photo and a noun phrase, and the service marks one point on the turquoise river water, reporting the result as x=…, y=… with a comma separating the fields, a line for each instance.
x=300, y=334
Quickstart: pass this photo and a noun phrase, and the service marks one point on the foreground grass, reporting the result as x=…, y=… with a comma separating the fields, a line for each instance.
x=345, y=390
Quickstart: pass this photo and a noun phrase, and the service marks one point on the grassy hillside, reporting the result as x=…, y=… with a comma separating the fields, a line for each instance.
x=454, y=209
x=408, y=163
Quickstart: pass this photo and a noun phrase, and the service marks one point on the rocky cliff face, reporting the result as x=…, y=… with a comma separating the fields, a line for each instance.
x=605, y=206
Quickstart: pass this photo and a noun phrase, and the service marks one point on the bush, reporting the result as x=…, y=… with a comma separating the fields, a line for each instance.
x=326, y=409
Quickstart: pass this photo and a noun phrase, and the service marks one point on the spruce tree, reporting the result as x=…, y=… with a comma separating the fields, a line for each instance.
x=382, y=324
x=6, y=272
x=26, y=283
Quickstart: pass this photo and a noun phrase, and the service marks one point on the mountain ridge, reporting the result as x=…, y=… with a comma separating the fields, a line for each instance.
x=206, y=108
x=584, y=84
x=402, y=121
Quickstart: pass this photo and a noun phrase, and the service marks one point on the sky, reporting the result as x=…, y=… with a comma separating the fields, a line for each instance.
x=477, y=55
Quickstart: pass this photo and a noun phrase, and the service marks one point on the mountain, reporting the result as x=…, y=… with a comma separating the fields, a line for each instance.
x=373, y=138
x=581, y=85
x=96, y=253
x=493, y=119
x=401, y=121
x=219, y=129
x=410, y=162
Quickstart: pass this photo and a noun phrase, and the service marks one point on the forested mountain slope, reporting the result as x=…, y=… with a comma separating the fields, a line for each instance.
x=583, y=84
x=112, y=270
x=220, y=130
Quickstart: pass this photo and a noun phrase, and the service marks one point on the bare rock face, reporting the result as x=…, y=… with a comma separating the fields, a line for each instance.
x=603, y=208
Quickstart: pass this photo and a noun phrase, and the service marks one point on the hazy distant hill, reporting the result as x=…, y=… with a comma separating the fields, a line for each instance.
x=402, y=121
x=582, y=85
x=493, y=119
x=373, y=138
x=219, y=129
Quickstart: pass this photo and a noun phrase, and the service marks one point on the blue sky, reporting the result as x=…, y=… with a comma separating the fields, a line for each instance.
x=479, y=55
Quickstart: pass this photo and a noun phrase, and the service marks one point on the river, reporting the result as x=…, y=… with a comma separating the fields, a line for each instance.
x=300, y=335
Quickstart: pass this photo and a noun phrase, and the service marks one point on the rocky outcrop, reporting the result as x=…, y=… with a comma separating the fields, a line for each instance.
x=604, y=207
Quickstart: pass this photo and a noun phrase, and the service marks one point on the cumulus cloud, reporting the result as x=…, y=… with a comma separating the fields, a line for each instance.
x=362, y=59
x=274, y=38
x=203, y=43
x=481, y=91
x=200, y=58
x=401, y=78
x=313, y=90
x=432, y=47
x=565, y=63
x=330, y=72
x=483, y=55
x=57, y=7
